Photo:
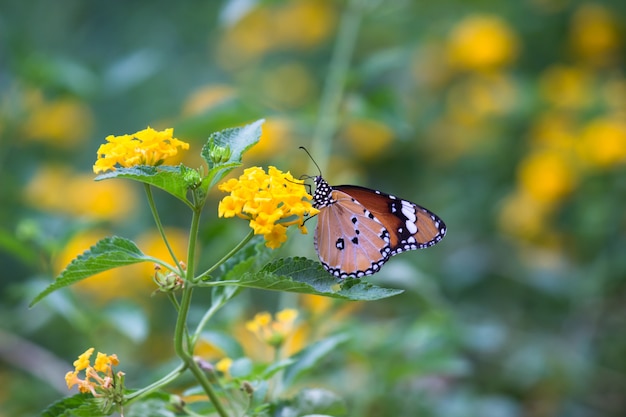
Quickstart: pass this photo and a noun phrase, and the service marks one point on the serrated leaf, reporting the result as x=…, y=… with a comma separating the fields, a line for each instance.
x=108, y=253
x=310, y=356
x=168, y=178
x=153, y=407
x=238, y=140
x=302, y=275
x=79, y=405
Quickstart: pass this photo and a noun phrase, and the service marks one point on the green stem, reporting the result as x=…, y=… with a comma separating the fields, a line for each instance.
x=206, y=385
x=210, y=312
x=215, y=307
x=157, y=220
x=182, y=344
x=335, y=83
x=157, y=384
x=229, y=255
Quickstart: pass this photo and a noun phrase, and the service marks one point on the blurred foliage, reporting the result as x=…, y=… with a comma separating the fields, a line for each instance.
x=508, y=119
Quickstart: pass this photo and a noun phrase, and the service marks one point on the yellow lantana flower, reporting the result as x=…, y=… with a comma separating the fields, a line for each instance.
x=146, y=147
x=99, y=379
x=271, y=202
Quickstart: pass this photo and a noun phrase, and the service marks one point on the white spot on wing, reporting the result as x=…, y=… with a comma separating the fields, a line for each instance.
x=409, y=211
x=411, y=227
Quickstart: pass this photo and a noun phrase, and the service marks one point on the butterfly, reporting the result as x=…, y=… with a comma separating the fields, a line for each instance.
x=359, y=229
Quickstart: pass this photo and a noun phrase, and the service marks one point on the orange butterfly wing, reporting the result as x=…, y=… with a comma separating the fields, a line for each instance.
x=410, y=226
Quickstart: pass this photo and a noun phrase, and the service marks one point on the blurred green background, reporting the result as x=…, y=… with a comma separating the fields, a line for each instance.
x=507, y=119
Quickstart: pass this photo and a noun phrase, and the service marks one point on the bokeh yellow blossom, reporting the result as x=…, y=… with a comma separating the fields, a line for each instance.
x=271, y=202
x=567, y=87
x=273, y=332
x=278, y=26
x=547, y=175
x=595, y=36
x=367, y=138
x=146, y=147
x=206, y=98
x=603, y=142
x=62, y=122
x=482, y=43
x=58, y=189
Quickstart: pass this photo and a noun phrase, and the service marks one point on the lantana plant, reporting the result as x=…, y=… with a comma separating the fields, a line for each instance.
x=271, y=201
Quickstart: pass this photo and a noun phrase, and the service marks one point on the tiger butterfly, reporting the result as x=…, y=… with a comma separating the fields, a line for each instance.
x=359, y=229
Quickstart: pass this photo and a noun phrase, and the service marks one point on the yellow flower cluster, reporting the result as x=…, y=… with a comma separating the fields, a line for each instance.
x=272, y=202
x=98, y=377
x=273, y=332
x=146, y=147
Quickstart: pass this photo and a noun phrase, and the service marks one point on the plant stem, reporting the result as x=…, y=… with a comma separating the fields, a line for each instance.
x=157, y=384
x=157, y=220
x=210, y=312
x=226, y=257
x=335, y=83
x=182, y=344
x=206, y=385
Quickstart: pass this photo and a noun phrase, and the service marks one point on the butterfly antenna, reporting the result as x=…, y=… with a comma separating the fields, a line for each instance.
x=307, y=152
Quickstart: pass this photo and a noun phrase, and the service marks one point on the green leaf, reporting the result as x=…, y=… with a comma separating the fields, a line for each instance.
x=309, y=357
x=153, y=407
x=108, y=253
x=172, y=179
x=79, y=405
x=230, y=144
x=302, y=275
x=276, y=367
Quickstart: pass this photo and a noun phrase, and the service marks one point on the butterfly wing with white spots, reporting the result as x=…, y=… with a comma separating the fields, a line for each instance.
x=359, y=229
